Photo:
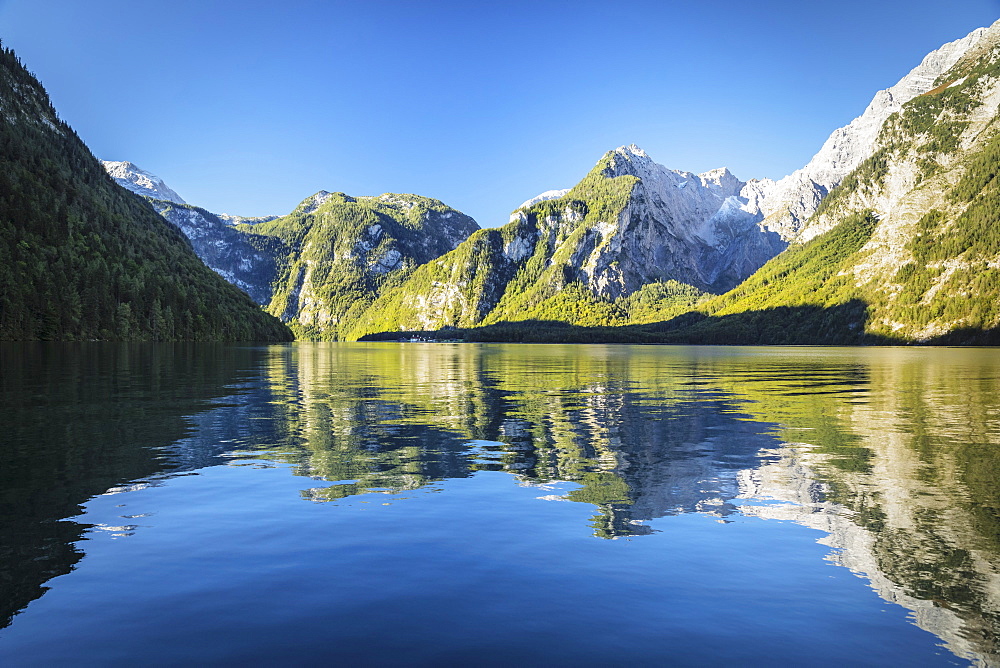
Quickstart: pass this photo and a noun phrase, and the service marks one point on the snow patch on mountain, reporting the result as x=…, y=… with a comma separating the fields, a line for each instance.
x=139, y=181
x=547, y=195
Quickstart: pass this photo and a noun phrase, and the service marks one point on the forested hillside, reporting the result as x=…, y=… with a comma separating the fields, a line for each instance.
x=81, y=258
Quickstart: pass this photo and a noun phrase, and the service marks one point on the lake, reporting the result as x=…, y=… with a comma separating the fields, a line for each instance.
x=449, y=504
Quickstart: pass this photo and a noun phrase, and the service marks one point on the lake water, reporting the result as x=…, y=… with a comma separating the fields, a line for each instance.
x=452, y=504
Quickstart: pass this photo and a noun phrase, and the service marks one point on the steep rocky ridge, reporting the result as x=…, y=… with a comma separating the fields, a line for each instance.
x=139, y=181
x=911, y=234
x=696, y=229
x=230, y=219
x=788, y=203
x=247, y=260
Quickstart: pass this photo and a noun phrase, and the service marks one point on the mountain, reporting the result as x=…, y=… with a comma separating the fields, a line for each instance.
x=630, y=229
x=788, y=204
x=344, y=251
x=911, y=250
x=82, y=258
x=247, y=260
x=320, y=264
x=143, y=183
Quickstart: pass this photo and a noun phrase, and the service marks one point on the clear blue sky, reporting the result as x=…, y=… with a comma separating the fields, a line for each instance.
x=249, y=107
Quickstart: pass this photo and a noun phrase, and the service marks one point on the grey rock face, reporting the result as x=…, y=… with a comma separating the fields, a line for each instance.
x=248, y=261
x=441, y=231
x=788, y=203
x=232, y=220
x=701, y=229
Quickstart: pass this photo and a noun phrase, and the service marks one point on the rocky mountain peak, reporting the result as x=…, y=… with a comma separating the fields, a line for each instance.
x=791, y=201
x=633, y=161
x=684, y=203
x=313, y=202
x=139, y=181
x=629, y=161
x=722, y=182
x=675, y=225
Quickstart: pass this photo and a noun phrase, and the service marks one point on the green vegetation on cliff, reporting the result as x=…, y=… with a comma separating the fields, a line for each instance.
x=547, y=285
x=345, y=251
x=527, y=269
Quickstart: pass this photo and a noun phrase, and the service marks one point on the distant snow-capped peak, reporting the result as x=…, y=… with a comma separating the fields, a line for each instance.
x=140, y=182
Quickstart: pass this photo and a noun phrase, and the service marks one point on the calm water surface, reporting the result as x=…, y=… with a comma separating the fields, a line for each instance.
x=438, y=504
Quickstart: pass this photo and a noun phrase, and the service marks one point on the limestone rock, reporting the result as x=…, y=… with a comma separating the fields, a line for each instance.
x=788, y=204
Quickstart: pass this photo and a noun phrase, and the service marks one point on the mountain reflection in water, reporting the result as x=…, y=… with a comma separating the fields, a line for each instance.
x=894, y=453
x=639, y=438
